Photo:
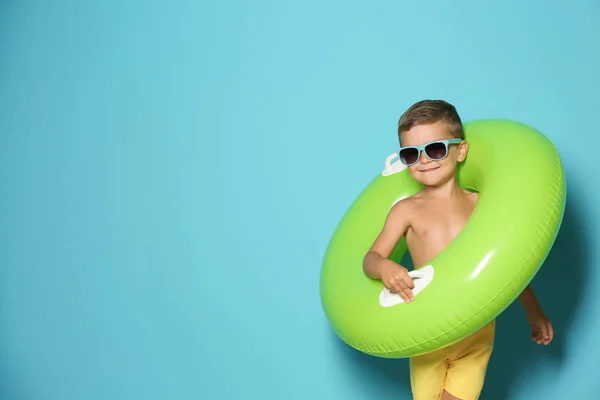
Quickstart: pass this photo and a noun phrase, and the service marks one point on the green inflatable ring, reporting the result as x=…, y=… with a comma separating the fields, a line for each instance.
x=522, y=192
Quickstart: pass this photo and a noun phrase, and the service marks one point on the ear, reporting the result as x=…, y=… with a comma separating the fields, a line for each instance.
x=463, y=149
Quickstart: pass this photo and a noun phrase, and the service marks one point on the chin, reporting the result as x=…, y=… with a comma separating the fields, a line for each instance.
x=430, y=181
x=431, y=178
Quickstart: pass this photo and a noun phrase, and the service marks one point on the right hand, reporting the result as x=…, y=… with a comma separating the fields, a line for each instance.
x=396, y=279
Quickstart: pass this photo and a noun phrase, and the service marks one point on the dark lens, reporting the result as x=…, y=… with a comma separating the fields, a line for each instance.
x=436, y=151
x=409, y=155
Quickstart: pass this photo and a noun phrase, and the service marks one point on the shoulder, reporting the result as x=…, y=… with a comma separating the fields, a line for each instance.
x=403, y=209
x=472, y=196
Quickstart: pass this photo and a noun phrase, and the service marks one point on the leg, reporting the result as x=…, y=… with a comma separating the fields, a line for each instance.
x=448, y=396
x=466, y=372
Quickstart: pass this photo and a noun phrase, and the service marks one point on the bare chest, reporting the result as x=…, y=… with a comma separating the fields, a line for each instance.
x=434, y=227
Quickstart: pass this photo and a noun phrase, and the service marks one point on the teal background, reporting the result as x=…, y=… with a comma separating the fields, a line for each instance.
x=171, y=173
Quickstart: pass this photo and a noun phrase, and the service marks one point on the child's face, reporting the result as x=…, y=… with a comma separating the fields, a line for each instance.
x=434, y=172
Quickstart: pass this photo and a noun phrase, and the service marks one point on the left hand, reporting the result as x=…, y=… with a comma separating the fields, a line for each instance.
x=541, y=328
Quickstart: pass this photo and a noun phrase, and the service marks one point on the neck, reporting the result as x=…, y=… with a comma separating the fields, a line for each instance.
x=447, y=189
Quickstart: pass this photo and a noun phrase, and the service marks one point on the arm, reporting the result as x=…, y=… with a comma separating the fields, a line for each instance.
x=530, y=302
x=396, y=225
x=376, y=263
x=542, y=331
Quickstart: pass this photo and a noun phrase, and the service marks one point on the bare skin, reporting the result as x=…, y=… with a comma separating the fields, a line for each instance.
x=430, y=220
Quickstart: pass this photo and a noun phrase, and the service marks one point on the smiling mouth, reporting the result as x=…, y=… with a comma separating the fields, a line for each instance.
x=429, y=169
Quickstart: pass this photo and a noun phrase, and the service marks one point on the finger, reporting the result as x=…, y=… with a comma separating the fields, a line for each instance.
x=389, y=285
x=540, y=335
x=404, y=296
x=535, y=333
x=550, y=333
x=545, y=334
x=545, y=331
x=541, y=340
x=397, y=286
x=392, y=285
x=402, y=288
x=406, y=293
x=409, y=294
x=408, y=281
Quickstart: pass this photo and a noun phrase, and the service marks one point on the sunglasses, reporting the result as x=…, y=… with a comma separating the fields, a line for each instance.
x=435, y=151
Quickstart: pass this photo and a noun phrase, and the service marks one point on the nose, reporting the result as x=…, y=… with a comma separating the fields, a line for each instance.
x=424, y=159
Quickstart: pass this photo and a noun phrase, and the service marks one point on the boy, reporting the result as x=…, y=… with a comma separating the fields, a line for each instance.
x=430, y=220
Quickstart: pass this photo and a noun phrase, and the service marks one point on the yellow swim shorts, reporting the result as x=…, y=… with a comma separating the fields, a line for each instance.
x=459, y=368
